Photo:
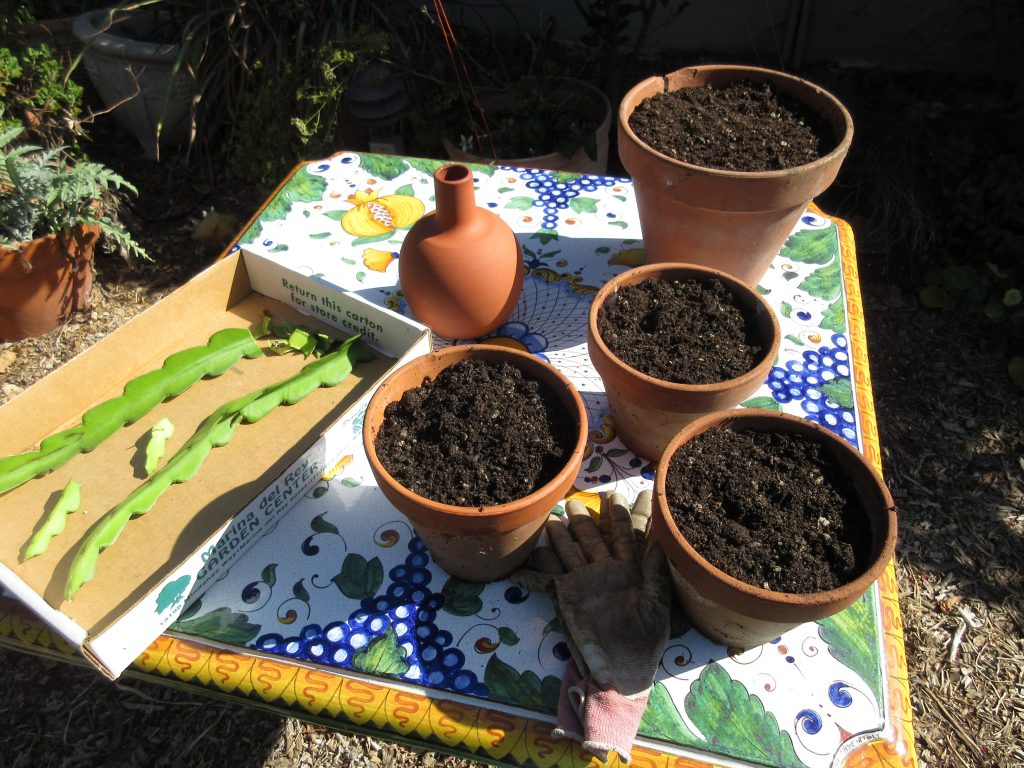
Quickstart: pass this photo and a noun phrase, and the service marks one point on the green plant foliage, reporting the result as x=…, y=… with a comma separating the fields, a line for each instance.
x=736, y=723
x=179, y=372
x=521, y=689
x=462, y=598
x=44, y=192
x=220, y=624
x=36, y=87
x=661, y=719
x=69, y=501
x=216, y=431
x=359, y=577
x=156, y=446
x=853, y=645
x=383, y=656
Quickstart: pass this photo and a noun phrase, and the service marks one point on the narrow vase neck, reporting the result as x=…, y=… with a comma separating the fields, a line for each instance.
x=454, y=196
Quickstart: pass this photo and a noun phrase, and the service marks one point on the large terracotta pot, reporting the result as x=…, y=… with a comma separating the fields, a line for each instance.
x=476, y=543
x=734, y=221
x=41, y=287
x=460, y=267
x=580, y=98
x=648, y=412
x=741, y=615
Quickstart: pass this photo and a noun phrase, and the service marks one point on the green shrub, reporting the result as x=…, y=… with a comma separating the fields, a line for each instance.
x=36, y=90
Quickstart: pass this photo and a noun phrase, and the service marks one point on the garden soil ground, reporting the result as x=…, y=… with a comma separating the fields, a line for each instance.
x=952, y=433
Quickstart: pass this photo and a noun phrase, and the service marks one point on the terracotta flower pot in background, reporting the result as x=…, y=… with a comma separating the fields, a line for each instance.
x=737, y=614
x=41, y=287
x=476, y=543
x=735, y=221
x=461, y=268
x=648, y=412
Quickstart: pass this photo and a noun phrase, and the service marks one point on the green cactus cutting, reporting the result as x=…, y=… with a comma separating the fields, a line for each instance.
x=69, y=501
x=216, y=431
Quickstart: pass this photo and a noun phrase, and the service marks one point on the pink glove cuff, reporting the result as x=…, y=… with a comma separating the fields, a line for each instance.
x=607, y=720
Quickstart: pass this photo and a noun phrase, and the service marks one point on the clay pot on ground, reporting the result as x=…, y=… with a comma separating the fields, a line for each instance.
x=741, y=615
x=735, y=221
x=460, y=267
x=476, y=543
x=580, y=98
x=648, y=412
x=45, y=283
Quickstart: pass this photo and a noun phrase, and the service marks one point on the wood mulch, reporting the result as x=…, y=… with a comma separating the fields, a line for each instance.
x=952, y=432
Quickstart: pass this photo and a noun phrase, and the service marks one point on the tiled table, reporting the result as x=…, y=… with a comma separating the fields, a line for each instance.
x=340, y=616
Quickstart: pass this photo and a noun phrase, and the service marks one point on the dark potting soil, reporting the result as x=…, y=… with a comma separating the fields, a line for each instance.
x=742, y=126
x=683, y=331
x=478, y=434
x=770, y=509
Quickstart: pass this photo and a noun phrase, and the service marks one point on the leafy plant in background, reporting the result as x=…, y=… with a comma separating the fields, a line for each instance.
x=36, y=90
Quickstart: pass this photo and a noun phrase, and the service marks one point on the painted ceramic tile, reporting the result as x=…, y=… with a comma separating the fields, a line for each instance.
x=344, y=581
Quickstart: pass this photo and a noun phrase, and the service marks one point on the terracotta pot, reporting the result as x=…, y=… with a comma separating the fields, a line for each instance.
x=740, y=615
x=476, y=543
x=648, y=412
x=734, y=221
x=580, y=97
x=41, y=287
x=460, y=267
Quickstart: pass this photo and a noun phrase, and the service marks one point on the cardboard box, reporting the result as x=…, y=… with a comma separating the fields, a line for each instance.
x=199, y=527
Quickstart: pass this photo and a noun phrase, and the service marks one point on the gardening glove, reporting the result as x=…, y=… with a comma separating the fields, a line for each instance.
x=613, y=600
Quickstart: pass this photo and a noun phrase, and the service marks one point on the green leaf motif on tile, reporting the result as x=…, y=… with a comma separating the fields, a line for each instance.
x=320, y=235
x=359, y=577
x=405, y=189
x=621, y=224
x=319, y=525
x=383, y=656
x=279, y=248
x=193, y=608
x=520, y=203
x=735, y=723
x=565, y=176
x=785, y=309
x=508, y=636
x=595, y=462
x=350, y=482
x=584, y=204
x=503, y=190
x=840, y=391
x=424, y=165
x=812, y=246
x=852, y=638
x=462, y=598
x=544, y=235
x=509, y=686
x=372, y=239
x=319, y=491
x=662, y=721
x=360, y=276
x=824, y=282
x=334, y=215
x=764, y=401
x=300, y=591
x=794, y=340
x=140, y=395
x=555, y=625
x=220, y=624
x=302, y=187
x=834, y=318
x=384, y=167
x=269, y=574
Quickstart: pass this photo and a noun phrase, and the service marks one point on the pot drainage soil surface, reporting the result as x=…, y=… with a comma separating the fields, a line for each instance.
x=770, y=509
x=478, y=434
x=683, y=331
x=742, y=126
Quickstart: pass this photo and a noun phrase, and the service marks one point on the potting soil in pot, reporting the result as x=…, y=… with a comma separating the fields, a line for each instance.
x=478, y=434
x=769, y=508
x=742, y=126
x=683, y=331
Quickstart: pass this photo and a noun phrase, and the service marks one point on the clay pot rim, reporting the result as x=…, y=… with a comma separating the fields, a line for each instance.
x=505, y=516
x=840, y=596
x=677, y=269
x=631, y=100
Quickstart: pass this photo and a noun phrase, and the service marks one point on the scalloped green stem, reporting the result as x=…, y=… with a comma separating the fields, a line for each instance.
x=69, y=501
x=179, y=372
x=216, y=431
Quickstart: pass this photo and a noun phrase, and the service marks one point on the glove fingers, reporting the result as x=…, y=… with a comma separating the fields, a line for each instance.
x=565, y=547
x=641, y=515
x=618, y=525
x=545, y=560
x=585, y=530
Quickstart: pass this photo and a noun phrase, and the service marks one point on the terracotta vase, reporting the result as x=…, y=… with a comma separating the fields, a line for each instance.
x=735, y=221
x=41, y=287
x=579, y=97
x=741, y=615
x=460, y=267
x=648, y=412
x=476, y=543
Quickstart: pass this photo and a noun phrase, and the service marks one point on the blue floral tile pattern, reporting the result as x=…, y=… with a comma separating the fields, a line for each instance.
x=344, y=581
